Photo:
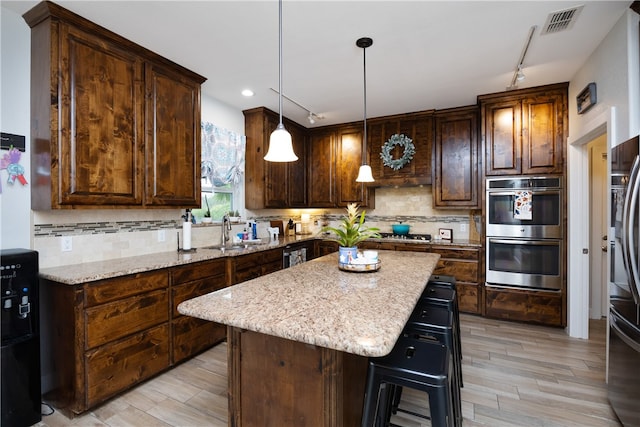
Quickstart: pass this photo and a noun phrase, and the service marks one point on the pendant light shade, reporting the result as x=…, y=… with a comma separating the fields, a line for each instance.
x=364, y=174
x=280, y=145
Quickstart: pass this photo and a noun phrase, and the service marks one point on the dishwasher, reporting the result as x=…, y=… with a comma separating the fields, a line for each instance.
x=293, y=255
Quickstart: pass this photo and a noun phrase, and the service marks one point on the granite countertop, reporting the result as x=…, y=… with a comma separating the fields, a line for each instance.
x=99, y=270
x=318, y=304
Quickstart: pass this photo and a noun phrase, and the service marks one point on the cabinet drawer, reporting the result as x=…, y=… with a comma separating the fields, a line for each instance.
x=252, y=273
x=456, y=253
x=122, y=287
x=253, y=260
x=463, y=271
x=527, y=306
x=194, y=289
x=117, y=319
x=191, y=336
x=118, y=366
x=197, y=271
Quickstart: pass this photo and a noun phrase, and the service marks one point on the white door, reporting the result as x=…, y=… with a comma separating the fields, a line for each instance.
x=598, y=242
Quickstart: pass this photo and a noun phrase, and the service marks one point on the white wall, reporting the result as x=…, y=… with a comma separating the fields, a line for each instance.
x=615, y=68
x=15, y=201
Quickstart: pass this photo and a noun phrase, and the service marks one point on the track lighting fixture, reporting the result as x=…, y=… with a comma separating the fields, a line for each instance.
x=312, y=117
x=518, y=75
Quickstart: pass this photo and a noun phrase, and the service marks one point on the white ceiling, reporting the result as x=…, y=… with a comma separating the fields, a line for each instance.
x=425, y=54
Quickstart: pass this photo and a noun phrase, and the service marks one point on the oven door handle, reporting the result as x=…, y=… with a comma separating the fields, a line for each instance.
x=525, y=242
x=513, y=192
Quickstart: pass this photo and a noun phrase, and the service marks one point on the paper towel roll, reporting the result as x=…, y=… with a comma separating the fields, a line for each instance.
x=186, y=236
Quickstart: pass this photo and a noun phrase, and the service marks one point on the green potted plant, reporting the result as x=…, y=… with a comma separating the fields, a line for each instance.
x=207, y=214
x=234, y=216
x=350, y=232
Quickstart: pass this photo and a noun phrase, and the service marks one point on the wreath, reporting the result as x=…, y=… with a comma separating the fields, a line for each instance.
x=387, y=147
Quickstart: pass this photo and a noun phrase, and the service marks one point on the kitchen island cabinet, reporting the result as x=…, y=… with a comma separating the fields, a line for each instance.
x=300, y=338
x=112, y=124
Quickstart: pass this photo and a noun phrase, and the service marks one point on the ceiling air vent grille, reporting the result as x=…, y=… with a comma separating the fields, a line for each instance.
x=561, y=20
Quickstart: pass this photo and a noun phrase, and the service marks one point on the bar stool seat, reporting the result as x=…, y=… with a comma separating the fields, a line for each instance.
x=419, y=365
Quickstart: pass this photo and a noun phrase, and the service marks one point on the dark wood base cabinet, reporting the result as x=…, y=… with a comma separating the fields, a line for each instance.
x=101, y=338
x=541, y=307
x=461, y=262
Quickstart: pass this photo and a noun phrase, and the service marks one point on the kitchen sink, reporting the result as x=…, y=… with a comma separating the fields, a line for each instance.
x=233, y=246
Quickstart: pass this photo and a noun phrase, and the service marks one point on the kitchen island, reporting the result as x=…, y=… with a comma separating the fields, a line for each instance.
x=299, y=339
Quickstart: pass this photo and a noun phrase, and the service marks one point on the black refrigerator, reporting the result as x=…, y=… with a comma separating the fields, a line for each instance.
x=624, y=289
x=20, y=364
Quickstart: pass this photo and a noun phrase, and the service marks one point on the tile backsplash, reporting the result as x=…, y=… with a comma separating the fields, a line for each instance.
x=110, y=234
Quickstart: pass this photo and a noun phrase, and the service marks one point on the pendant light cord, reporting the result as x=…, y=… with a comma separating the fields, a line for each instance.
x=280, y=64
x=364, y=145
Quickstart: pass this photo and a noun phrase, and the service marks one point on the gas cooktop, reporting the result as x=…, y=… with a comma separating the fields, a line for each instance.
x=425, y=237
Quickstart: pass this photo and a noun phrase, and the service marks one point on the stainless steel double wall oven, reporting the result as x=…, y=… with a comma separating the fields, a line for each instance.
x=524, y=229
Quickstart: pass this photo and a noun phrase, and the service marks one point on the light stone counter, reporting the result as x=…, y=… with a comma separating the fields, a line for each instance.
x=318, y=304
x=100, y=270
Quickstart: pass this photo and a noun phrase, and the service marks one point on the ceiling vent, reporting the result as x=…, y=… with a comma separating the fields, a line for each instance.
x=561, y=20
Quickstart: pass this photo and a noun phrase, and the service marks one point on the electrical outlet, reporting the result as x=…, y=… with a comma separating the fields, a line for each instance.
x=66, y=244
x=463, y=227
x=161, y=236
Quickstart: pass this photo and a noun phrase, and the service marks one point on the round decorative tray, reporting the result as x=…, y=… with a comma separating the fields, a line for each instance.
x=360, y=268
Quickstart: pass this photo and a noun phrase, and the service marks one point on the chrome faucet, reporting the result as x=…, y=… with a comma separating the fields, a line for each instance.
x=226, y=226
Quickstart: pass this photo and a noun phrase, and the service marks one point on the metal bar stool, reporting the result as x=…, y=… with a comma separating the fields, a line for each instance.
x=419, y=365
x=444, y=296
x=434, y=323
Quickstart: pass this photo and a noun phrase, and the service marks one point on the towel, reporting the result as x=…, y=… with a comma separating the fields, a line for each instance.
x=522, y=205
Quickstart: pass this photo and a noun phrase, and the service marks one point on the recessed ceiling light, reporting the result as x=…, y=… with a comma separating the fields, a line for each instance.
x=247, y=92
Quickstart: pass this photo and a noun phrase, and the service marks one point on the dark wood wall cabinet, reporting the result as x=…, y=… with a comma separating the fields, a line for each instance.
x=273, y=184
x=456, y=161
x=416, y=126
x=323, y=176
x=524, y=131
x=112, y=124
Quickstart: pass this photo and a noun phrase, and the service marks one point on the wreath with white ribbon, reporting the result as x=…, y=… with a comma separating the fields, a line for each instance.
x=409, y=150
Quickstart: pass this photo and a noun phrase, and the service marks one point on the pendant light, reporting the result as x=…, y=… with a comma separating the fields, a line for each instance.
x=364, y=174
x=280, y=145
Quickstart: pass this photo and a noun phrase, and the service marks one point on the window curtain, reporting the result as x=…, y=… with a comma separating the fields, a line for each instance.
x=223, y=155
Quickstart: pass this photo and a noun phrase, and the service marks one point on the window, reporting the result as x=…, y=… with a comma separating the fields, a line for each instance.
x=222, y=171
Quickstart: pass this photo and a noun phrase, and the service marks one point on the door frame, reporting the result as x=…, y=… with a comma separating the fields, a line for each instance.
x=578, y=222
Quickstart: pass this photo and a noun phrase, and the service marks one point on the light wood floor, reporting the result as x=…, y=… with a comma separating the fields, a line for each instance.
x=514, y=375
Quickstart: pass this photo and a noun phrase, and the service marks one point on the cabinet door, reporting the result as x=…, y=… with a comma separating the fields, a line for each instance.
x=275, y=191
x=100, y=130
x=418, y=127
x=456, y=159
x=322, y=164
x=502, y=138
x=349, y=159
x=172, y=139
x=297, y=171
x=542, y=134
